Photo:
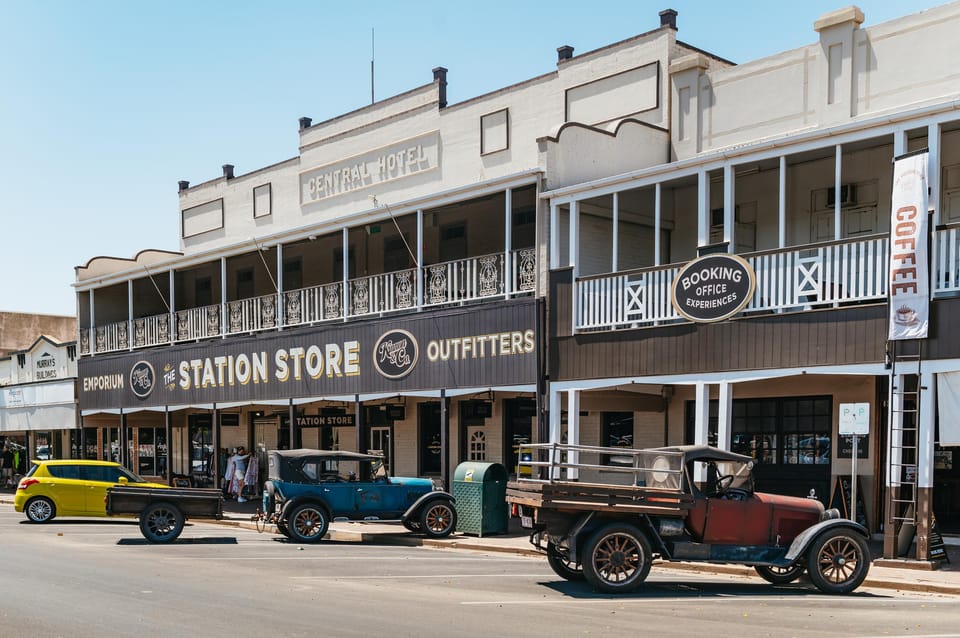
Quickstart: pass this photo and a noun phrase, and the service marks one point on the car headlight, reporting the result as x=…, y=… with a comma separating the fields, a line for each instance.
x=830, y=514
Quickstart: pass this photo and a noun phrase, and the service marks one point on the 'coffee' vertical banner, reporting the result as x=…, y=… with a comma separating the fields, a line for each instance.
x=909, y=278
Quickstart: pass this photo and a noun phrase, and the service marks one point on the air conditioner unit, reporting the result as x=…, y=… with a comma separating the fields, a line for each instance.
x=848, y=195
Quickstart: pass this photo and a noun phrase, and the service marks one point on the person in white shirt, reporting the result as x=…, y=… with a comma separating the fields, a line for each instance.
x=240, y=460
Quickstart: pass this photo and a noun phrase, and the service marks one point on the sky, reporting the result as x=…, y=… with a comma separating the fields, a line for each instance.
x=105, y=105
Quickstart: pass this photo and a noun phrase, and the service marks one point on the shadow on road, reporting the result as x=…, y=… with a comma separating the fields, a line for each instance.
x=693, y=589
x=203, y=540
x=81, y=521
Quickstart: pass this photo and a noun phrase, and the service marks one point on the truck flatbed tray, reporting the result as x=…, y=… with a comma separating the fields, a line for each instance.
x=577, y=496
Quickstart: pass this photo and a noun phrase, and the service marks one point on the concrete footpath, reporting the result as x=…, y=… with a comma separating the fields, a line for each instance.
x=941, y=578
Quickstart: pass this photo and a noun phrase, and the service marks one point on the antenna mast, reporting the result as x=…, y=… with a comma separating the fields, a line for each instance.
x=371, y=65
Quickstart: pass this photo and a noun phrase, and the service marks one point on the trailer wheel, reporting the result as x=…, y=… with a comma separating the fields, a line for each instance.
x=617, y=558
x=161, y=522
x=562, y=565
x=779, y=575
x=838, y=560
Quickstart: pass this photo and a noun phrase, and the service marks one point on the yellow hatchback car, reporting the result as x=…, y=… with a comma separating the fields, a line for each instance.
x=70, y=487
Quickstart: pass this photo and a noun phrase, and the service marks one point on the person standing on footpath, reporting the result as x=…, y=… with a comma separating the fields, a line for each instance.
x=240, y=460
x=6, y=466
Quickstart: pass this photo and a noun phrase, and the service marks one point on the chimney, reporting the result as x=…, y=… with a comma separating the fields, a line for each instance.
x=182, y=185
x=228, y=171
x=564, y=53
x=668, y=18
x=440, y=76
x=305, y=122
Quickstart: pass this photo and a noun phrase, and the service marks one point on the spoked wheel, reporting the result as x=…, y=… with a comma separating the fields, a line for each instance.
x=161, y=523
x=617, y=558
x=779, y=575
x=562, y=566
x=307, y=524
x=41, y=510
x=838, y=561
x=438, y=519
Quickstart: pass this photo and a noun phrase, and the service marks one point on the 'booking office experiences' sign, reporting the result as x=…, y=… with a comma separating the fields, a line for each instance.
x=713, y=288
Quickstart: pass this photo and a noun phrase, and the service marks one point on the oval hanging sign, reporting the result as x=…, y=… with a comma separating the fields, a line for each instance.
x=395, y=354
x=713, y=288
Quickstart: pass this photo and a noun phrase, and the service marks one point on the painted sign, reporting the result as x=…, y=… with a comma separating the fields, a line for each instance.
x=326, y=420
x=909, y=279
x=402, y=159
x=713, y=288
x=45, y=367
x=481, y=347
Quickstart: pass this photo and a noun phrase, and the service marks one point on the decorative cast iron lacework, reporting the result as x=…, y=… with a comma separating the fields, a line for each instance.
x=101, y=339
x=84, y=341
x=527, y=270
x=331, y=301
x=213, y=320
x=139, y=332
x=293, y=307
x=437, y=283
x=183, y=325
x=268, y=312
x=236, y=316
x=361, y=296
x=163, y=328
x=489, y=276
x=122, y=335
x=404, y=289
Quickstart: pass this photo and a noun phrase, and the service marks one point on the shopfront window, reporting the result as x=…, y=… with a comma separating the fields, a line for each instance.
x=616, y=430
x=152, y=452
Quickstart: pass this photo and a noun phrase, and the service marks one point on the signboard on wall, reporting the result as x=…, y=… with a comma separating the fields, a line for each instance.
x=481, y=347
x=713, y=288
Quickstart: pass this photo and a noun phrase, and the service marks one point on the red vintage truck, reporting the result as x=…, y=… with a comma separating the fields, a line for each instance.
x=604, y=514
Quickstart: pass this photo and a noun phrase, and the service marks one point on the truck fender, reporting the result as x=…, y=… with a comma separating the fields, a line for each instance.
x=800, y=544
x=413, y=512
x=295, y=502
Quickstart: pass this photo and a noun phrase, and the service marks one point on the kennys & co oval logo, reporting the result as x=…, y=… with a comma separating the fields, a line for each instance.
x=395, y=354
x=142, y=379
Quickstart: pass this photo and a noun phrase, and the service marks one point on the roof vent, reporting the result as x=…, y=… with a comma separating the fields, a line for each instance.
x=440, y=76
x=182, y=185
x=305, y=122
x=564, y=53
x=228, y=171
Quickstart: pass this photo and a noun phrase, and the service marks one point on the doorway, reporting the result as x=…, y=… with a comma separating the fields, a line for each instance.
x=517, y=429
x=428, y=439
x=200, y=433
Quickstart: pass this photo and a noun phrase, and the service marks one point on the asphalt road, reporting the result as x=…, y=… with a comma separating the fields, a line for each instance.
x=97, y=577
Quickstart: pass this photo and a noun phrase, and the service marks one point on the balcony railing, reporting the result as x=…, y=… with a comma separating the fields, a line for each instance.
x=459, y=281
x=800, y=278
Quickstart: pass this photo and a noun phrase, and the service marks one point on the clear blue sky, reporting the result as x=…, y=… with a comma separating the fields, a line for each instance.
x=105, y=105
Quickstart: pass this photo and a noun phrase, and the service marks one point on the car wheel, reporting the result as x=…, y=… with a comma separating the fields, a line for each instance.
x=161, y=522
x=438, y=519
x=307, y=523
x=40, y=510
x=779, y=575
x=617, y=558
x=838, y=560
x=561, y=564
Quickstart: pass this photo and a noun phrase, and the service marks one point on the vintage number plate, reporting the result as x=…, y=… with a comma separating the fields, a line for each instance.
x=526, y=522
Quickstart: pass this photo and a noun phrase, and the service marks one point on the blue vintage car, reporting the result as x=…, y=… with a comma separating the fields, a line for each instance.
x=306, y=489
